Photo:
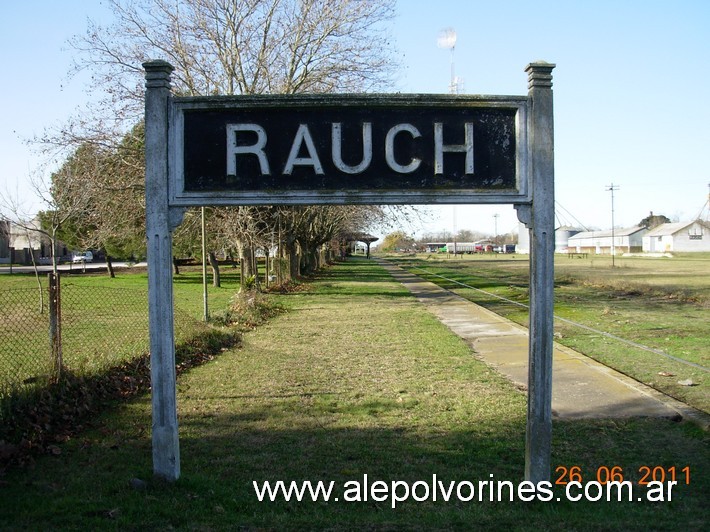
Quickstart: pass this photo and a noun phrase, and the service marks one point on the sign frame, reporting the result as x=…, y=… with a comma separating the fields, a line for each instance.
x=165, y=208
x=412, y=102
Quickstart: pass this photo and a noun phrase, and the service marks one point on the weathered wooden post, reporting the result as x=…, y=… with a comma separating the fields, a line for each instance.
x=55, y=324
x=542, y=249
x=166, y=449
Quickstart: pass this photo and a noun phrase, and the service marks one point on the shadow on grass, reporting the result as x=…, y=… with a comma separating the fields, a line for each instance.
x=189, y=278
x=35, y=420
x=354, y=277
x=355, y=269
x=223, y=454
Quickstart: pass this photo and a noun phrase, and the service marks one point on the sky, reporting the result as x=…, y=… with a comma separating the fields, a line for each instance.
x=630, y=94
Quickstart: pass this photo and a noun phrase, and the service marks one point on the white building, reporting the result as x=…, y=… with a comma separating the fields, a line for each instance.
x=681, y=236
x=627, y=240
x=20, y=242
x=523, y=247
x=562, y=235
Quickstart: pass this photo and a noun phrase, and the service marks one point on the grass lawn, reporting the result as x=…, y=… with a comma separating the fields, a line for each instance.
x=104, y=320
x=663, y=304
x=355, y=379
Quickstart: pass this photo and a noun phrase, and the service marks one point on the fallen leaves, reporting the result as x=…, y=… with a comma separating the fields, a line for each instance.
x=37, y=424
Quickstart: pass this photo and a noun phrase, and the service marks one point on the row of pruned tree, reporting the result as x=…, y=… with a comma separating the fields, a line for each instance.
x=99, y=203
x=228, y=47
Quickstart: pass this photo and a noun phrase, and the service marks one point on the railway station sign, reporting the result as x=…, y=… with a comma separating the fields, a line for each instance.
x=348, y=149
x=362, y=149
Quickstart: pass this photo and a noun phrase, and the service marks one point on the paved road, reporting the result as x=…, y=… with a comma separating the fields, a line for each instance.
x=91, y=266
x=581, y=387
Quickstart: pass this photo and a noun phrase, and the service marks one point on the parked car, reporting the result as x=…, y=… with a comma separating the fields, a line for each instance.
x=84, y=256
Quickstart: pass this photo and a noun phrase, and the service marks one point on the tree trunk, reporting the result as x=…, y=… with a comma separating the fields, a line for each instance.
x=267, y=265
x=175, y=266
x=246, y=259
x=303, y=260
x=316, y=262
x=216, y=280
x=310, y=259
x=255, y=267
x=109, y=267
x=294, y=261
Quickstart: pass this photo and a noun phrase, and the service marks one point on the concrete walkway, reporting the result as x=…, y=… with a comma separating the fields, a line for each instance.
x=581, y=387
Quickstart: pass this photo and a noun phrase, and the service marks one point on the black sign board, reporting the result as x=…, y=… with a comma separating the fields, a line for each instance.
x=354, y=149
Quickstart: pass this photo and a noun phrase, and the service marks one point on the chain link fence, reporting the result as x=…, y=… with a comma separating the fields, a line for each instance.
x=77, y=329
x=25, y=348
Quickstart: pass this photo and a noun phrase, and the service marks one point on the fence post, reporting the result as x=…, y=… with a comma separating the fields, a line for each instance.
x=55, y=324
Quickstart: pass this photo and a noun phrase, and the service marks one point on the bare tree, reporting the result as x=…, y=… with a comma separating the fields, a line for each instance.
x=235, y=47
x=57, y=210
x=227, y=47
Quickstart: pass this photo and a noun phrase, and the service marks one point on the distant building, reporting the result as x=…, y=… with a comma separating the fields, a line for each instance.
x=21, y=243
x=629, y=240
x=352, y=242
x=435, y=247
x=523, y=247
x=562, y=236
x=681, y=236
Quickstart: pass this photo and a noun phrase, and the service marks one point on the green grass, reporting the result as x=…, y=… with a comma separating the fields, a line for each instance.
x=355, y=378
x=659, y=303
x=104, y=320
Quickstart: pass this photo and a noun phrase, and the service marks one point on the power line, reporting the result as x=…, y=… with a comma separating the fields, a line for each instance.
x=566, y=222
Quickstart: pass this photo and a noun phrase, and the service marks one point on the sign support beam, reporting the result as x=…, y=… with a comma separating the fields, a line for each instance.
x=541, y=222
x=159, y=221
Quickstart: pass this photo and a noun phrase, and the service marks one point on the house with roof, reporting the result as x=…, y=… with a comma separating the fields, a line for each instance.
x=680, y=236
x=628, y=240
x=19, y=243
x=23, y=243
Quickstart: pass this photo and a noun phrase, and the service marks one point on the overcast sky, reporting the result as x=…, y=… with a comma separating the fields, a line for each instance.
x=630, y=92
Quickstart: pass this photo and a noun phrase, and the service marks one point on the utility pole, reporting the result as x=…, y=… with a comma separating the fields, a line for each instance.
x=611, y=188
x=455, y=250
x=495, y=219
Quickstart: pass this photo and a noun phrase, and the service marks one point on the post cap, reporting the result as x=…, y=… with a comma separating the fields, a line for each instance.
x=540, y=74
x=157, y=74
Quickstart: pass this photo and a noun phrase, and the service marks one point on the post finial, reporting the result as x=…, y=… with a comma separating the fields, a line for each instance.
x=540, y=74
x=157, y=74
